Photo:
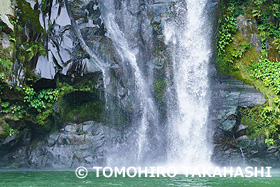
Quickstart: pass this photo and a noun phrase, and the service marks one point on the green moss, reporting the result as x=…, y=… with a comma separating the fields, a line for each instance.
x=90, y=111
x=160, y=88
x=273, y=52
x=44, y=118
x=6, y=64
x=27, y=15
x=79, y=111
x=262, y=121
x=244, y=64
x=238, y=51
x=28, y=42
x=4, y=128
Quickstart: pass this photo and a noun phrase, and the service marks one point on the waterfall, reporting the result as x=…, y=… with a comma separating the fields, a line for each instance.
x=136, y=146
x=188, y=36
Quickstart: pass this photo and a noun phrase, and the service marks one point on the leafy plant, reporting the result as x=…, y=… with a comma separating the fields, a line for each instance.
x=227, y=29
x=268, y=72
x=39, y=100
x=262, y=121
x=269, y=141
x=11, y=132
x=276, y=42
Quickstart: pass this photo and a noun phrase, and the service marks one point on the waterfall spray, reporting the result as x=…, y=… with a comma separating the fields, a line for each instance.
x=188, y=36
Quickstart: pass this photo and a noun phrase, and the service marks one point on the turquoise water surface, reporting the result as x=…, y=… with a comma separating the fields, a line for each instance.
x=68, y=178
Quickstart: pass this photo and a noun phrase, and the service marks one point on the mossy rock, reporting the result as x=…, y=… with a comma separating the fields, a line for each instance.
x=6, y=63
x=272, y=51
x=4, y=127
x=79, y=106
x=257, y=124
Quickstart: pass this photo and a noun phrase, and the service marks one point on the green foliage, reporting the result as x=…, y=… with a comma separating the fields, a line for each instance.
x=262, y=121
x=11, y=132
x=28, y=42
x=228, y=27
x=6, y=64
x=266, y=13
x=39, y=100
x=43, y=117
x=238, y=52
x=269, y=141
x=268, y=72
x=263, y=11
x=239, y=6
x=239, y=59
x=6, y=131
x=276, y=42
x=14, y=111
x=28, y=50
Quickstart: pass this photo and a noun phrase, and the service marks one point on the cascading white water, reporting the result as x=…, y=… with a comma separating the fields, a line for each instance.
x=145, y=105
x=189, y=37
x=187, y=34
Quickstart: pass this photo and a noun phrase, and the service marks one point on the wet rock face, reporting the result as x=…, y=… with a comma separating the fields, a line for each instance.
x=65, y=54
x=6, y=11
x=258, y=153
x=228, y=95
x=248, y=29
x=235, y=148
x=83, y=144
x=70, y=53
x=77, y=144
x=232, y=146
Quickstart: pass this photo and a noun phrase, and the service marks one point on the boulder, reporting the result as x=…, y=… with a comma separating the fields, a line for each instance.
x=5, y=41
x=10, y=139
x=230, y=136
x=243, y=141
x=241, y=130
x=230, y=94
x=249, y=30
x=228, y=125
x=77, y=144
